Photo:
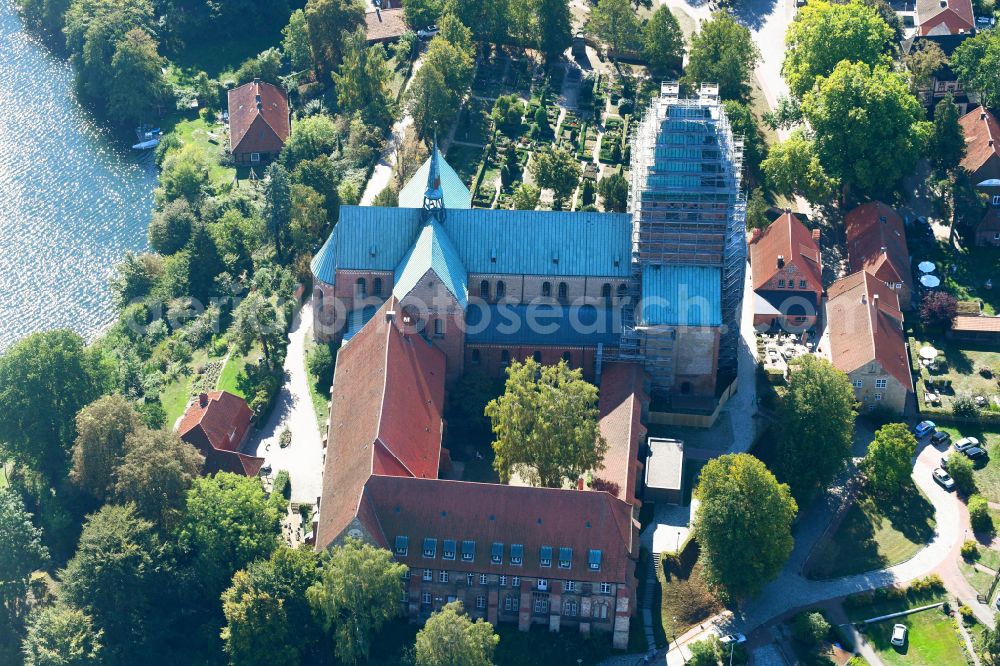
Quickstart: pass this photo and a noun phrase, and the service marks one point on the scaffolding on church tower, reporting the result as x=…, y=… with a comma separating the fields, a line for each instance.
x=687, y=210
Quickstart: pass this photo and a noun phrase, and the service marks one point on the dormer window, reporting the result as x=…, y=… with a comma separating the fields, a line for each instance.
x=468, y=551
x=430, y=547
x=545, y=556
x=565, y=558
x=496, y=553
x=594, y=560
x=448, y=551
x=516, y=554
x=402, y=545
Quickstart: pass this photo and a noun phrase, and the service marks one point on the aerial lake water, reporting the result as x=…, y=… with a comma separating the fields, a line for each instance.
x=72, y=201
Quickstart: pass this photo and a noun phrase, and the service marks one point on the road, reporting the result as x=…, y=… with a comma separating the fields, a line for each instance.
x=304, y=457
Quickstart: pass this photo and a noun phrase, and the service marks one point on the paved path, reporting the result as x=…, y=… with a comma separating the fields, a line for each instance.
x=382, y=173
x=304, y=457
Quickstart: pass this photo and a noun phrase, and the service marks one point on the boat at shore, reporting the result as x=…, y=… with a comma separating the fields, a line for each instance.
x=149, y=137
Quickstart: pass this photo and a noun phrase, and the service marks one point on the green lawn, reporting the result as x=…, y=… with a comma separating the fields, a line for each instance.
x=192, y=128
x=932, y=639
x=228, y=380
x=987, y=476
x=874, y=535
x=221, y=55
x=972, y=267
x=978, y=579
x=320, y=398
x=963, y=364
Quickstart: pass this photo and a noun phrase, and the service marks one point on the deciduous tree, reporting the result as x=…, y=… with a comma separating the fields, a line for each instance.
x=256, y=319
x=422, y=13
x=21, y=552
x=960, y=469
x=170, y=228
x=557, y=169
x=977, y=61
x=868, y=126
x=526, y=197
x=327, y=21
x=136, y=79
x=793, y=167
x=979, y=515
x=278, y=205
x=362, y=79
x=663, y=42
x=155, y=474
x=356, y=595
x=938, y=309
x=614, y=192
x=744, y=524
x=817, y=426
x=722, y=52
x=45, y=379
x=184, y=174
x=614, y=22
x=923, y=61
x=947, y=144
x=887, y=465
x=824, y=33
x=450, y=638
x=546, y=425
x=295, y=41
x=101, y=428
x=555, y=28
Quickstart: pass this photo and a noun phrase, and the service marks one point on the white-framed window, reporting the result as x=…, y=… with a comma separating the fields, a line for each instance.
x=428, y=574
x=406, y=575
x=541, y=604
x=569, y=608
x=881, y=383
x=469, y=578
x=468, y=551
x=425, y=598
x=878, y=396
x=594, y=560
x=545, y=556
x=565, y=558
x=442, y=576
x=516, y=554
x=496, y=553
x=503, y=581
x=802, y=284
x=600, y=611
x=515, y=581
x=996, y=237
x=404, y=596
x=996, y=199
x=402, y=545
x=542, y=583
x=781, y=284
x=569, y=586
x=480, y=602
x=430, y=547
x=508, y=604
x=605, y=588
x=255, y=157
x=897, y=286
x=483, y=579
x=859, y=383
x=448, y=551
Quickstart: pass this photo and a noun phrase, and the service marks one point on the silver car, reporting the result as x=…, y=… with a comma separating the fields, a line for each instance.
x=943, y=479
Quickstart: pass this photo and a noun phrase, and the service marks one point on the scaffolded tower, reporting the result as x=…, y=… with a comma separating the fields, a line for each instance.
x=687, y=210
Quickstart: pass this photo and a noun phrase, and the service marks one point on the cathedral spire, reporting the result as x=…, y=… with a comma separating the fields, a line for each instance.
x=433, y=194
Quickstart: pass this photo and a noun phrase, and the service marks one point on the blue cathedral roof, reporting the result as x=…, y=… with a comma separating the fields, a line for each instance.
x=449, y=186
x=486, y=241
x=434, y=251
x=681, y=296
x=542, y=324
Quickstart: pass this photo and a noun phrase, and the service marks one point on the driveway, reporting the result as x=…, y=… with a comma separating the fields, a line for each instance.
x=304, y=457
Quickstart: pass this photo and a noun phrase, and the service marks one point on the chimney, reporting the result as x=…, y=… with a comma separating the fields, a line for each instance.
x=203, y=399
x=864, y=299
x=390, y=315
x=579, y=483
x=256, y=81
x=982, y=115
x=875, y=301
x=991, y=143
x=781, y=261
x=755, y=235
x=882, y=251
x=815, y=235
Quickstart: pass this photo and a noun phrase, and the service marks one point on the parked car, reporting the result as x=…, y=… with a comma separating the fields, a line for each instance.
x=942, y=479
x=729, y=639
x=428, y=32
x=966, y=443
x=975, y=453
x=924, y=428
x=940, y=437
x=898, y=635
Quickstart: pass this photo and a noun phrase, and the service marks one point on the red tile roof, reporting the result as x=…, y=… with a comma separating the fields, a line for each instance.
x=620, y=406
x=786, y=237
x=385, y=416
x=954, y=15
x=981, y=129
x=488, y=513
x=866, y=325
x=217, y=423
x=258, y=127
x=876, y=242
x=963, y=323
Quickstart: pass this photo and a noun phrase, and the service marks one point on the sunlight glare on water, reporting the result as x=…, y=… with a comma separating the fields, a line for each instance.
x=72, y=201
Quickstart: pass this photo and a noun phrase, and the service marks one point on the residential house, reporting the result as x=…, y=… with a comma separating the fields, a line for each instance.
x=216, y=424
x=383, y=26
x=259, y=122
x=867, y=340
x=944, y=17
x=982, y=162
x=944, y=80
x=787, y=273
x=513, y=554
x=876, y=242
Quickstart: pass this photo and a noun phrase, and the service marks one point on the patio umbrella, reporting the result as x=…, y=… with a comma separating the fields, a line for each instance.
x=929, y=281
x=926, y=266
x=928, y=352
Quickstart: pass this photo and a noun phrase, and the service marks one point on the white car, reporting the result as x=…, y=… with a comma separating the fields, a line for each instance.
x=943, y=479
x=729, y=639
x=966, y=443
x=898, y=635
x=428, y=32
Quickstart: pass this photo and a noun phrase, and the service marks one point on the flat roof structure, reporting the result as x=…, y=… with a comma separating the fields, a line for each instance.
x=665, y=465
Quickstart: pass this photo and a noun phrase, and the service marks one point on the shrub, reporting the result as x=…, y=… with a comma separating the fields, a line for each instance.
x=970, y=550
x=937, y=309
x=925, y=585
x=979, y=515
x=319, y=360
x=283, y=484
x=810, y=628
x=960, y=469
x=968, y=617
x=965, y=407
